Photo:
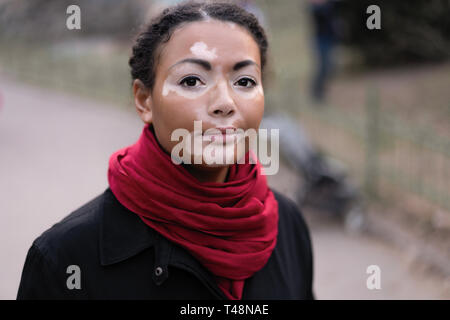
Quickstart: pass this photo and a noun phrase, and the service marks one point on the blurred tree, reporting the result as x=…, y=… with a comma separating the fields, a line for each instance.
x=42, y=20
x=412, y=31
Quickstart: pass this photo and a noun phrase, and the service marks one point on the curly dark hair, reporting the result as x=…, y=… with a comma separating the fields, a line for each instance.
x=143, y=59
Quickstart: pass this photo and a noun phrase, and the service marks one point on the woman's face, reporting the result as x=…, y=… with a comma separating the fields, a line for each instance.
x=209, y=71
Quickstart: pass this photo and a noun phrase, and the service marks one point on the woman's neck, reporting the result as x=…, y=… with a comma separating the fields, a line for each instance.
x=208, y=175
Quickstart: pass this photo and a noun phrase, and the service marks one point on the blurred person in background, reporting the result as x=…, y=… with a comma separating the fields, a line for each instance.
x=324, y=37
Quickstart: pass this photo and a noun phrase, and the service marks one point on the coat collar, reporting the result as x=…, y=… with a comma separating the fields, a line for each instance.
x=123, y=235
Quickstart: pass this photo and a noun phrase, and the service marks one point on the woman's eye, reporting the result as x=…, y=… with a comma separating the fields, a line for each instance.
x=189, y=81
x=244, y=82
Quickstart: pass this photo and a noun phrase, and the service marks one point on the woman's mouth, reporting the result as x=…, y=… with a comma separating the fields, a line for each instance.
x=220, y=135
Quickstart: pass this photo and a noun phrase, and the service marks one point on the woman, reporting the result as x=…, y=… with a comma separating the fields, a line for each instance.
x=192, y=229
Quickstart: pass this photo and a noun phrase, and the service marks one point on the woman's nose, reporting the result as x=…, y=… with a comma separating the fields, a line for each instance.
x=222, y=104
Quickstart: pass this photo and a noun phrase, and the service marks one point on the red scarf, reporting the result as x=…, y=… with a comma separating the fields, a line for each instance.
x=230, y=227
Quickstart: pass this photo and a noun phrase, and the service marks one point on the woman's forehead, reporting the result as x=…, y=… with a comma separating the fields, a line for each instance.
x=212, y=40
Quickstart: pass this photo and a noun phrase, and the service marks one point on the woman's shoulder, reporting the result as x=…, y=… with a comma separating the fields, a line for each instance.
x=74, y=232
x=63, y=246
x=289, y=211
x=292, y=226
x=294, y=242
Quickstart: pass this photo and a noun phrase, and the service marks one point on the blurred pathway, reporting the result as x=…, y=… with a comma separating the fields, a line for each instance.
x=341, y=259
x=54, y=153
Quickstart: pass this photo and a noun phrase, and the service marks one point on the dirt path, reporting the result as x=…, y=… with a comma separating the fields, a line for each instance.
x=54, y=152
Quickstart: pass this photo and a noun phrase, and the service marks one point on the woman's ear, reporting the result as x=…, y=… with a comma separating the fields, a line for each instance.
x=142, y=100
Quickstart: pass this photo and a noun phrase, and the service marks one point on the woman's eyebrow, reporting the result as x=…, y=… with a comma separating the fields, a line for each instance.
x=243, y=64
x=206, y=65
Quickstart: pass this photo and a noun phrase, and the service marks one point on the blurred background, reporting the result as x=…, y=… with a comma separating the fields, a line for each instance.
x=370, y=108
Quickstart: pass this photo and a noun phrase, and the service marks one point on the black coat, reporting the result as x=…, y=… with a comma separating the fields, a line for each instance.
x=120, y=257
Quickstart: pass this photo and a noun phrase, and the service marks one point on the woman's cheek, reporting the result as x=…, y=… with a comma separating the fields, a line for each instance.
x=252, y=106
x=179, y=111
x=256, y=94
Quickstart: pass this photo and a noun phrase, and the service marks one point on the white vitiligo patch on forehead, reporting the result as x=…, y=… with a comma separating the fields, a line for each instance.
x=204, y=15
x=200, y=49
x=232, y=25
x=252, y=94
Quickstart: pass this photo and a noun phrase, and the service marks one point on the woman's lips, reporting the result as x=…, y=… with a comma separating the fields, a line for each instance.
x=222, y=134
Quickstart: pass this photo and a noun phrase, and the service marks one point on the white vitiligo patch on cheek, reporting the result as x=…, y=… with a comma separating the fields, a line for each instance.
x=243, y=93
x=216, y=79
x=179, y=90
x=168, y=86
x=252, y=93
x=200, y=49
